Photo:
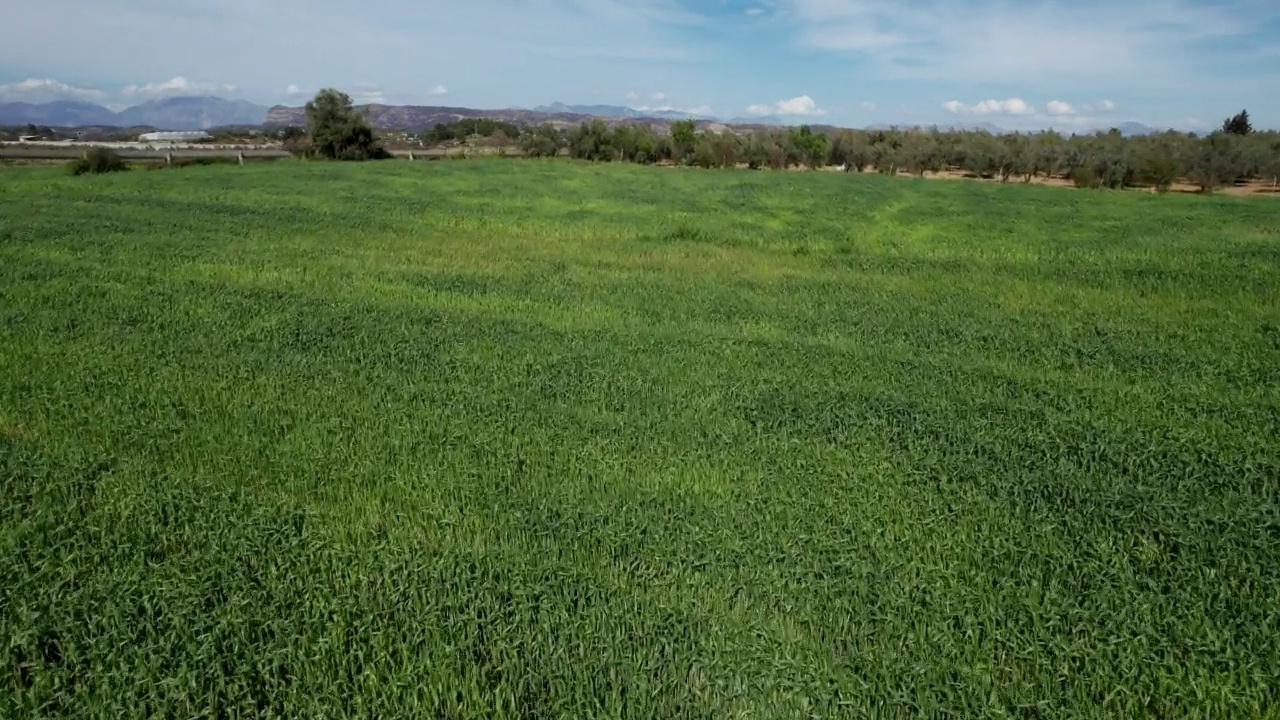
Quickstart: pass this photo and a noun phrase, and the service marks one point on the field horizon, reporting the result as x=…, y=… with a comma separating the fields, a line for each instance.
x=559, y=439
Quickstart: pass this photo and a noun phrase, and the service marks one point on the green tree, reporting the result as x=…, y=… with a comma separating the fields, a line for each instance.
x=1161, y=162
x=704, y=155
x=1215, y=162
x=542, y=141
x=593, y=141
x=725, y=148
x=921, y=153
x=1048, y=154
x=1271, y=162
x=979, y=154
x=807, y=147
x=850, y=150
x=625, y=139
x=755, y=151
x=684, y=133
x=1238, y=124
x=1102, y=161
x=338, y=132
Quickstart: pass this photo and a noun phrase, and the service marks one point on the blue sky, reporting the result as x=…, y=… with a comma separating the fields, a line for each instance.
x=1017, y=64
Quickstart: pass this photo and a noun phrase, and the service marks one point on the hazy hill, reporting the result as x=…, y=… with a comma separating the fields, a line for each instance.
x=418, y=117
x=179, y=113
x=63, y=113
x=193, y=113
x=618, y=111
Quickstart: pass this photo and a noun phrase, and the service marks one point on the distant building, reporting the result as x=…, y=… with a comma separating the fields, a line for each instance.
x=190, y=136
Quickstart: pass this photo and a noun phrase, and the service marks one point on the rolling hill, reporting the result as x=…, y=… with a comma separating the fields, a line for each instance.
x=178, y=113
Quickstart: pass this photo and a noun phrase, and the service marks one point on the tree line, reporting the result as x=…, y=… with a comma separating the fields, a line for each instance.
x=1233, y=153
x=1100, y=160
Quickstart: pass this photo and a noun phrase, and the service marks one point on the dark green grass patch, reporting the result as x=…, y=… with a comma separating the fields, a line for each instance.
x=540, y=439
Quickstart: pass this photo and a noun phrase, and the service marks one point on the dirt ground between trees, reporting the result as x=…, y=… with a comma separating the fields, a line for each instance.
x=1252, y=187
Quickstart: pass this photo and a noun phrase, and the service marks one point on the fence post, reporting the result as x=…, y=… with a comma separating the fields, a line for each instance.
x=411, y=155
x=168, y=158
x=240, y=157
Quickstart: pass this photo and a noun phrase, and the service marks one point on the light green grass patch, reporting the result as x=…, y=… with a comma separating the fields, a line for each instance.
x=516, y=439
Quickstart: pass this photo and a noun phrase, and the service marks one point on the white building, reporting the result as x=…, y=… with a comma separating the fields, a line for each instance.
x=191, y=136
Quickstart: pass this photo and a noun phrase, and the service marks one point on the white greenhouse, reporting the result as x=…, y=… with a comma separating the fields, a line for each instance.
x=190, y=136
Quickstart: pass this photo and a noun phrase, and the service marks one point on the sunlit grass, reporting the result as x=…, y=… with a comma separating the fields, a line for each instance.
x=514, y=439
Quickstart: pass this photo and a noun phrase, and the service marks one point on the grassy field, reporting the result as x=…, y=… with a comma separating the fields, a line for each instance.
x=540, y=439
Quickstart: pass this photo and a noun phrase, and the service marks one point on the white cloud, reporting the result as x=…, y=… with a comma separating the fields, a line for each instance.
x=293, y=90
x=368, y=97
x=803, y=106
x=755, y=11
x=1105, y=106
x=47, y=90
x=174, y=87
x=1057, y=107
x=868, y=106
x=1012, y=106
x=1160, y=43
x=540, y=51
x=657, y=97
x=699, y=110
x=437, y=91
x=1017, y=114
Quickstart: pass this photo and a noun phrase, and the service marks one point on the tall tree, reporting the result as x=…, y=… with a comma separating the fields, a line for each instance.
x=337, y=131
x=683, y=135
x=808, y=148
x=1238, y=124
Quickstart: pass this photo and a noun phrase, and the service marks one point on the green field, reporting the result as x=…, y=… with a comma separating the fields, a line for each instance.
x=541, y=439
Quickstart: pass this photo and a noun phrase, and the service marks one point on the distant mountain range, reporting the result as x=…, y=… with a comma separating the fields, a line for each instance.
x=1131, y=128
x=202, y=113
x=179, y=113
x=416, y=117
x=1127, y=129
x=620, y=112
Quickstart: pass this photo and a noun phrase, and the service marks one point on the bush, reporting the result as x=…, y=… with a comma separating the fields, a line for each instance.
x=299, y=147
x=97, y=161
x=195, y=162
x=1084, y=178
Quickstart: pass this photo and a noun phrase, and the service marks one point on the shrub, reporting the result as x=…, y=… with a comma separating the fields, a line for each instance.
x=1084, y=178
x=97, y=161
